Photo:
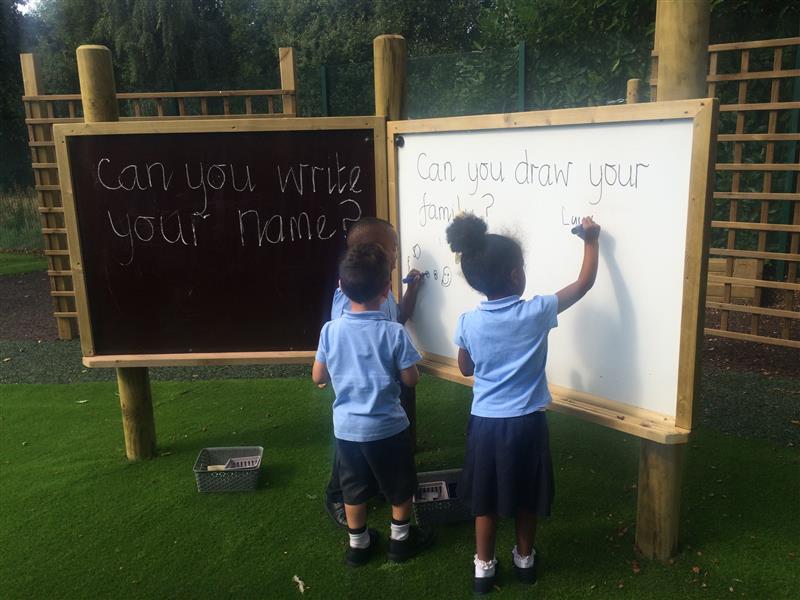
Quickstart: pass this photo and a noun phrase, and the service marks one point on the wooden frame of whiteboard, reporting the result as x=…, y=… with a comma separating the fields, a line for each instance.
x=616, y=415
x=63, y=132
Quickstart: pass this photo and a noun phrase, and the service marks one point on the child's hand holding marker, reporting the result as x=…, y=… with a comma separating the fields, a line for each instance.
x=588, y=230
x=415, y=277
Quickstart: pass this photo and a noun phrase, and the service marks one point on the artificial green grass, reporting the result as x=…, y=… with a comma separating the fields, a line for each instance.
x=13, y=264
x=77, y=520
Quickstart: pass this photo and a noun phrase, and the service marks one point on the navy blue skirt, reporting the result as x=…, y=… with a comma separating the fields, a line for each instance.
x=507, y=466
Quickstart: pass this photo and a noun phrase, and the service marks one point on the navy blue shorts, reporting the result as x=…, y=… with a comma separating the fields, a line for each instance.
x=386, y=465
x=507, y=466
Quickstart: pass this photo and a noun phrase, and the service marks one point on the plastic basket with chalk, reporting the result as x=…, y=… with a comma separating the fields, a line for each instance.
x=230, y=469
x=436, y=501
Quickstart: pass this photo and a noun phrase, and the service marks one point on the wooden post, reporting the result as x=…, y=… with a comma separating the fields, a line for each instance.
x=52, y=221
x=98, y=90
x=681, y=40
x=288, y=80
x=632, y=91
x=99, y=100
x=682, y=46
x=137, y=412
x=389, y=59
x=659, y=503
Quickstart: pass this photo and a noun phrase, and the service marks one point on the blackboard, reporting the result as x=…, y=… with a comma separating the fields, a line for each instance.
x=641, y=171
x=199, y=238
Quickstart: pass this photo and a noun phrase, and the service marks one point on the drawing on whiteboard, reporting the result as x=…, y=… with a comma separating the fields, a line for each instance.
x=550, y=178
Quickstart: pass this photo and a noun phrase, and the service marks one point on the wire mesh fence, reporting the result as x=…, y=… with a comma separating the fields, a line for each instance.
x=20, y=226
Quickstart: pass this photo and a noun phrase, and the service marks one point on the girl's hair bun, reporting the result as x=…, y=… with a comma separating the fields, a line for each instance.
x=466, y=234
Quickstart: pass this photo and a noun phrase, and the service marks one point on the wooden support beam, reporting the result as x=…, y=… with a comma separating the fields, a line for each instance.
x=389, y=56
x=659, y=499
x=98, y=90
x=389, y=60
x=288, y=65
x=137, y=412
x=99, y=100
x=633, y=91
x=682, y=46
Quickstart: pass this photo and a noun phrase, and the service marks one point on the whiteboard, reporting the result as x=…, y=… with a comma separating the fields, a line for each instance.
x=622, y=340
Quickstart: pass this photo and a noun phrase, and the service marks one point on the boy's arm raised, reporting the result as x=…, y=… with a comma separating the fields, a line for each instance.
x=409, y=300
x=591, y=250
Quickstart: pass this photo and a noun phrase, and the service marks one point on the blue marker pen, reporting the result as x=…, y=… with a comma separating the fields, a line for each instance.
x=578, y=230
x=410, y=278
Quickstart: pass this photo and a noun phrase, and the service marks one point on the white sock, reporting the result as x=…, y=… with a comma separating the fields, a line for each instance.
x=523, y=562
x=399, y=530
x=359, y=540
x=484, y=568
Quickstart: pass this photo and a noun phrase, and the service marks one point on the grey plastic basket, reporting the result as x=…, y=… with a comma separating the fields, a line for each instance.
x=237, y=479
x=443, y=510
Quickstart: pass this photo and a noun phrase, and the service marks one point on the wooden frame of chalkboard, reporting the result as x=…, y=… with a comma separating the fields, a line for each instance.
x=641, y=422
x=67, y=134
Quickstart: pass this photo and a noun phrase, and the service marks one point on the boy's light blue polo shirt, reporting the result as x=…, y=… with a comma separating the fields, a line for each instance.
x=507, y=340
x=341, y=303
x=364, y=353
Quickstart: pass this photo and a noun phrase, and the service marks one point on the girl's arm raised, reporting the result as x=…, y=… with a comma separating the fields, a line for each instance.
x=591, y=249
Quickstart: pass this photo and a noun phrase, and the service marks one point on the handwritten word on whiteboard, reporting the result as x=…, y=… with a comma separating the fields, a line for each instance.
x=535, y=184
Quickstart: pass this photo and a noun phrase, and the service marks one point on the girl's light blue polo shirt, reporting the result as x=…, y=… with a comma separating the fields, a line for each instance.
x=341, y=303
x=507, y=340
x=364, y=353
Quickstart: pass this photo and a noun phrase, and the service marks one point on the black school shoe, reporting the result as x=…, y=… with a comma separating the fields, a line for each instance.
x=358, y=557
x=402, y=550
x=336, y=512
x=527, y=576
x=484, y=585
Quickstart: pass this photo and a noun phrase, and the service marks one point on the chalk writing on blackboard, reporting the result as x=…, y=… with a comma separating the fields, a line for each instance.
x=143, y=229
x=339, y=180
x=255, y=226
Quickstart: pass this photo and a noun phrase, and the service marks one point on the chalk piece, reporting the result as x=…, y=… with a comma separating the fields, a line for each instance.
x=215, y=468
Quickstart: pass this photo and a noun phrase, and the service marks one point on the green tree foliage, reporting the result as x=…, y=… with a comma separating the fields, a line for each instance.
x=463, y=52
x=54, y=31
x=155, y=43
x=14, y=165
x=580, y=52
x=746, y=20
x=341, y=31
x=160, y=42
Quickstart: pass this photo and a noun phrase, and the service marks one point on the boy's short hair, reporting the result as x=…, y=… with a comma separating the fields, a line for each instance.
x=365, y=229
x=364, y=272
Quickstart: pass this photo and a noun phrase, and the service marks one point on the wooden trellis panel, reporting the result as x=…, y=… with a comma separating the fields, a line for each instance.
x=756, y=222
x=43, y=111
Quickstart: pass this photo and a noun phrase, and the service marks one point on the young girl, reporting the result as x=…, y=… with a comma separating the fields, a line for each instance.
x=507, y=467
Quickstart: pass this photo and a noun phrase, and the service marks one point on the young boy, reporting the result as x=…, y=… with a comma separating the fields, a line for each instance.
x=363, y=354
x=372, y=230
